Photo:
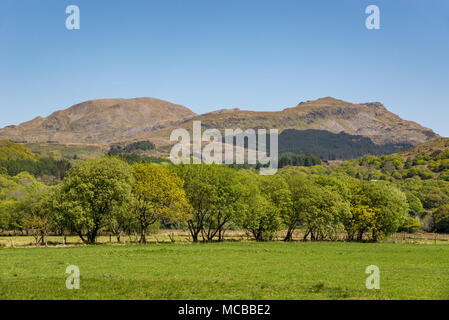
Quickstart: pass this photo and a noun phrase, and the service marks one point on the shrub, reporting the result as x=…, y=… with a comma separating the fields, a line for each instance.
x=444, y=175
x=441, y=219
x=411, y=225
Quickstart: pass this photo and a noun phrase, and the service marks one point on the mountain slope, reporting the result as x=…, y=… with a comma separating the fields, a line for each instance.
x=100, y=121
x=332, y=146
x=114, y=120
x=432, y=148
x=371, y=120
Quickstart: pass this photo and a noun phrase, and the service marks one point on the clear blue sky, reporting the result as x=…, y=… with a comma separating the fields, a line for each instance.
x=210, y=54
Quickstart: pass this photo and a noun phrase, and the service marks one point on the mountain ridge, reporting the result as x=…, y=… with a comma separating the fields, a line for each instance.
x=106, y=121
x=370, y=120
x=99, y=121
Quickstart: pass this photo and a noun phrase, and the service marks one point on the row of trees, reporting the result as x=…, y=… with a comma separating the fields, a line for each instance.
x=117, y=149
x=38, y=168
x=108, y=194
x=291, y=159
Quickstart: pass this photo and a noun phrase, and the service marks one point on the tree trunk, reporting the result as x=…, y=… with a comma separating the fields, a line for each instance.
x=305, y=236
x=289, y=235
x=143, y=238
x=82, y=237
x=360, y=236
x=193, y=232
x=221, y=235
x=350, y=236
x=92, y=236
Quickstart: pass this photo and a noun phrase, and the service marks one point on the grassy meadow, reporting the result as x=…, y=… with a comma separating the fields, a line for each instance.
x=229, y=270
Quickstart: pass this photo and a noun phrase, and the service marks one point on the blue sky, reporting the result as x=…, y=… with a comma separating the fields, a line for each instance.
x=211, y=54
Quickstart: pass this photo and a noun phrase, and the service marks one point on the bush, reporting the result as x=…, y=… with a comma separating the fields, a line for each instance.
x=411, y=225
x=444, y=175
x=443, y=155
x=117, y=149
x=441, y=219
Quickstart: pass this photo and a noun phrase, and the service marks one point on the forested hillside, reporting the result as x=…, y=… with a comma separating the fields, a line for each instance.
x=333, y=146
x=13, y=151
x=15, y=158
x=422, y=173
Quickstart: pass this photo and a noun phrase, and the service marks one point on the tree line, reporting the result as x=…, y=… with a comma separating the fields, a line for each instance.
x=108, y=194
x=117, y=149
x=332, y=146
x=37, y=167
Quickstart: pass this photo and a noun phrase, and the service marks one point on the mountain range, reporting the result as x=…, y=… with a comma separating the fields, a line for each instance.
x=108, y=121
x=100, y=121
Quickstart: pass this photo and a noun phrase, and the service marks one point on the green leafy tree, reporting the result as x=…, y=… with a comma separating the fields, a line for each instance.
x=36, y=220
x=410, y=225
x=158, y=195
x=227, y=201
x=441, y=219
x=414, y=204
x=261, y=212
x=323, y=212
x=277, y=190
x=7, y=213
x=391, y=207
x=92, y=190
x=13, y=191
x=293, y=215
x=58, y=210
x=363, y=216
x=214, y=194
x=123, y=220
x=200, y=192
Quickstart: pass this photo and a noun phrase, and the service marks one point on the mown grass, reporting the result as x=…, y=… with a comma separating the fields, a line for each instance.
x=240, y=270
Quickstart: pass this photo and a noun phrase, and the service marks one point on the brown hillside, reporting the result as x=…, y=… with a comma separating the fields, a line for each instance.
x=100, y=121
x=114, y=120
x=371, y=120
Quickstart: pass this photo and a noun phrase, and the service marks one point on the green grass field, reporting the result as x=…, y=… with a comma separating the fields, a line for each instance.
x=240, y=270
